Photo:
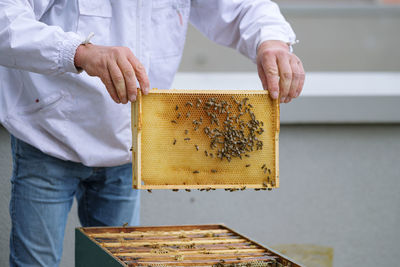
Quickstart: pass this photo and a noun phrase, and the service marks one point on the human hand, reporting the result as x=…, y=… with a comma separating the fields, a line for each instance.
x=280, y=71
x=117, y=68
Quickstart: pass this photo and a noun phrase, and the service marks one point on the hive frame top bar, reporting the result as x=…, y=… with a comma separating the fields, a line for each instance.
x=137, y=133
x=206, y=91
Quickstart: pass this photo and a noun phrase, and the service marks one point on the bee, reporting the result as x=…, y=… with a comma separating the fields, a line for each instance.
x=174, y=142
x=186, y=131
x=174, y=121
x=213, y=171
x=179, y=115
x=188, y=115
x=206, y=153
x=187, y=190
x=187, y=139
x=247, y=155
x=247, y=165
x=197, y=147
x=211, y=155
x=198, y=103
x=263, y=166
x=149, y=190
x=265, y=184
x=250, y=105
x=265, y=170
x=243, y=188
x=175, y=190
x=196, y=171
x=131, y=149
x=179, y=257
x=269, y=171
x=257, y=189
x=176, y=108
x=189, y=104
x=125, y=224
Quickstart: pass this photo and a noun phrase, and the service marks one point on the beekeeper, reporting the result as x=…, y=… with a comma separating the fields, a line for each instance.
x=64, y=95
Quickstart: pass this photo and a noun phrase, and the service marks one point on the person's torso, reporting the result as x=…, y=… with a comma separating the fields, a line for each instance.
x=71, y=116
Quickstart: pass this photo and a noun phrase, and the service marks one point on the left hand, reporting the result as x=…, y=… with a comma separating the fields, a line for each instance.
x=280, y=71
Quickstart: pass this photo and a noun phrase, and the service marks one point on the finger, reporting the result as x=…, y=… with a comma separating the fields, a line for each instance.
x=141, y=74
x=302, y=78
x=106, y=79
x=296, y=75
x=118, y=81
x=285, y=73
x=261, y=74
x=270, y=69
x=129, y=77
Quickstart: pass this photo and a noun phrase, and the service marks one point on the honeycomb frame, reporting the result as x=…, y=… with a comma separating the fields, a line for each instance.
x=153, y=135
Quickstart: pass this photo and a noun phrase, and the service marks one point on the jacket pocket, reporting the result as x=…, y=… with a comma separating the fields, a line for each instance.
x=95, y=16
x=44, y=104
x=169, y=20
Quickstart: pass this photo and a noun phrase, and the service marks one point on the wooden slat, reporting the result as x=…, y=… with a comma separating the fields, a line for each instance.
x=218, y=92
x=215, y=186
x=183, y=248
x=163, y=243
x=206, y=262
x=214, y=252
x=198, y=256
x=278, y=128
x=158, y=233
x=146, y=229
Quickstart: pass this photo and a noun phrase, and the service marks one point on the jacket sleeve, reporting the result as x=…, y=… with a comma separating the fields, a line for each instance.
x=241, y=24
x=28, y=44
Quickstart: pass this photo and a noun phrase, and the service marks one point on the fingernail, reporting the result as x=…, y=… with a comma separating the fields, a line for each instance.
x=283, y=99
x=275, y=95
x=132, y=98
x=146, y=90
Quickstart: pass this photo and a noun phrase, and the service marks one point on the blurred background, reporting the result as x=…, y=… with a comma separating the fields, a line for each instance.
x=339, y=199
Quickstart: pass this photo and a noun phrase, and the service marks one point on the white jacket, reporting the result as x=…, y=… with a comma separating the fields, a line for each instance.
x=46, y=103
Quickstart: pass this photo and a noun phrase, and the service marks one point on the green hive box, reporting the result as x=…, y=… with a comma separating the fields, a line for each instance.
x=188, y=245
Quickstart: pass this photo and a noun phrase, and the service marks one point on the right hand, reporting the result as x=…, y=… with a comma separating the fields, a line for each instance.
x=117, y=68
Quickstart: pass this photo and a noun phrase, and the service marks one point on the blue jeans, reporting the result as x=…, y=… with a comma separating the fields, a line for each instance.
x=43, y=188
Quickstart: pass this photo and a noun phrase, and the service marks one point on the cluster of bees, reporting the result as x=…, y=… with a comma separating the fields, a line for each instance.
x=232, y=136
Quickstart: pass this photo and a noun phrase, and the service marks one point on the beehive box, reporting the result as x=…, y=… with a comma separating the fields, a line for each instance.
x=192, y=139
x=189, y=245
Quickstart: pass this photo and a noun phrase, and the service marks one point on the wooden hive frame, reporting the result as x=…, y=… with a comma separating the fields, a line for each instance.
x=137, y=130
x=188, y=245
